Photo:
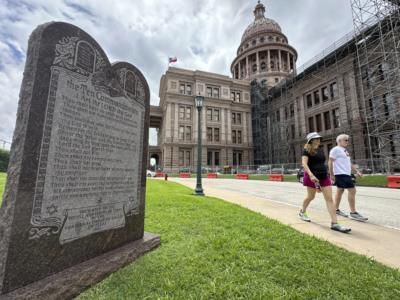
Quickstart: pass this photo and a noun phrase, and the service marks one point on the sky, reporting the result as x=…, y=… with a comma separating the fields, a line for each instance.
x=202, y=34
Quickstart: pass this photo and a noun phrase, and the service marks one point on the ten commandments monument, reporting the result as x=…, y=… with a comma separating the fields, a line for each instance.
x=76, y=179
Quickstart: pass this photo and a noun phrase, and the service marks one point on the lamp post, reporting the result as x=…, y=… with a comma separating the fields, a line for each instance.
x=199, y=104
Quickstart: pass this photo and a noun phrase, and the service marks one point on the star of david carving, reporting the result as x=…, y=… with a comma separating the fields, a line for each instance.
x=52, y=209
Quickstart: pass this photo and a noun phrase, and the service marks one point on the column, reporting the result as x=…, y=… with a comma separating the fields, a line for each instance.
x=195, y=125
x=168, y=125
x=269, y=61
x=240, y=70
x=280, y=60
x=244, y=131
x=247, y=66
x=222, y=126
x=288, y=61
x=176, y=128
x=203, y=125
x=229, y=129
x=258, y=63
x=249, y=128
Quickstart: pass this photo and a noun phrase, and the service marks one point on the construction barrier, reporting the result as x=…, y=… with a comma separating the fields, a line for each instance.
x=159, y=174
x=185, y=175
x=393, y=182
x=276, y=177
x=212, y=175
x=242, y=176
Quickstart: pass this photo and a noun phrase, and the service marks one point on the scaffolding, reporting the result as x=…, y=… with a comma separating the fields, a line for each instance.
x=377, y=25
x=366, y=62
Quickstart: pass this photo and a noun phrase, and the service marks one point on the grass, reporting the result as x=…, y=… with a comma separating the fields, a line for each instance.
x=2, y=185
x=372, y=180
x=212, y=249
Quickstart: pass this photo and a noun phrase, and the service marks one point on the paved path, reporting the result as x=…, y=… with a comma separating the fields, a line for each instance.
x=379, y=238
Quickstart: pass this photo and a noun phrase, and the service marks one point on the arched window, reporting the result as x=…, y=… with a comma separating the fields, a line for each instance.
x=270, y=38
x=254, y=67
x=130, y=83
x=262, y=39
x=263, y=66
x=253, y=42
x=85, y=56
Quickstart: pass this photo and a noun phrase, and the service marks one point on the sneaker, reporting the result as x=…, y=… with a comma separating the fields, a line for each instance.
x=358, y=217
x=304, y=216
x=341, y=213
x=340, y=228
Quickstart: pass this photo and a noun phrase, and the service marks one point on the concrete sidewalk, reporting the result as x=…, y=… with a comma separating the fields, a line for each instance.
x=378, y=242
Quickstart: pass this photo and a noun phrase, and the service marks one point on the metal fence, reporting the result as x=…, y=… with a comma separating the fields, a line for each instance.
x=5, y=145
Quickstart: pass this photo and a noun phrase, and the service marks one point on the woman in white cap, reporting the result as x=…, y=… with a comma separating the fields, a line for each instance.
x=316, y=178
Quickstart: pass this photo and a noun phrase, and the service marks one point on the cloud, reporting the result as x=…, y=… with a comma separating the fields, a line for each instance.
x=203, y=34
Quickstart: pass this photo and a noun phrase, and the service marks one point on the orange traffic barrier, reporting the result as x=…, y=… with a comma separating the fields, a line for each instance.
x=184, y=175
x=160, y=174
x=242, y=176
x=393, y=182
x=276, y=177
x=212, y=175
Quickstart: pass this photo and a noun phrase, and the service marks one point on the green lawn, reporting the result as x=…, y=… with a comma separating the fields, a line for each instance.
x=2, y=184
x=215, y=250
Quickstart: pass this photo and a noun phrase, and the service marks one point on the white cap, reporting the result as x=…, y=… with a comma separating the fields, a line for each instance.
x=313, y=135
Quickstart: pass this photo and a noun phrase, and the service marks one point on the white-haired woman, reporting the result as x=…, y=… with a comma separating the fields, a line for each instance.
x=316, y=178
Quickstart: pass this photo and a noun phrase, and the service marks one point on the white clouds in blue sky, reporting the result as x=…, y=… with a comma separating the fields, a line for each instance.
x=203, y=34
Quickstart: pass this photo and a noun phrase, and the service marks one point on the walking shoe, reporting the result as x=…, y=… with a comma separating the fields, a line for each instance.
x=358, y=217
x=304, y=217
x=340, y=228
x=341, y=213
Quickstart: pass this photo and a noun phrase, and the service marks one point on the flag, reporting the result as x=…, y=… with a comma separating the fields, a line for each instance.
x=172, y=59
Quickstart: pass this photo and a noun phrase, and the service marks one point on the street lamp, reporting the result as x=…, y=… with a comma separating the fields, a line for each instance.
x=199, y=104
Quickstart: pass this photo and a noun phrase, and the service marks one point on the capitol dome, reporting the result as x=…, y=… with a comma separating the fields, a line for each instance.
x=260, y=24
x=264, y=52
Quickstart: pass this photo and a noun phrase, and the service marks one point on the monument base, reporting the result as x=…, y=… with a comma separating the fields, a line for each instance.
x=74, y=280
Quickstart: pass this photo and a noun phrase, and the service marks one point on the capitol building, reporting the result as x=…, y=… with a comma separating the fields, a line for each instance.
x=261, y=114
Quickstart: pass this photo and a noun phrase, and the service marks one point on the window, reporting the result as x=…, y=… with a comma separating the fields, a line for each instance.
x=209, y=92
x=185, y=112
x=254, y=68
x=310, y=124
x=181, y=158
x=292, y=131
x=216, y=158
x=336, y=119
x=291, y=110
x=188, y=133
x=327, y=120
x=185, y=89
x=233, y=118
x=286, y=113
x=309, y=100
x=209, y=114
x=276, y=80
x=239, y=137
x=216, y=93
x=325, y=94
x=187, y=159
x=216, y=134
x=235, y=96
x=334, y=91
x=278, y=116
x=213, y=158
x=188, y=113
x=181, y=132
x=209, y=134
x=238, y=97
x=318, y=122
x=188, y=89
x=316, y=97
x=236, y=118
x=253, y=42
x=181, y=112
x=262, y=39
x=209, y=158
x=234, y=136
x=216, y=115
x=263, y=66
x=237, y=158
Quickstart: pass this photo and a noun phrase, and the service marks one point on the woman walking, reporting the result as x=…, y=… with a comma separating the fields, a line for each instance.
x=316, y=178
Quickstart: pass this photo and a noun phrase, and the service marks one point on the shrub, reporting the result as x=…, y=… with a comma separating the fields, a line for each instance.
x=4, y=159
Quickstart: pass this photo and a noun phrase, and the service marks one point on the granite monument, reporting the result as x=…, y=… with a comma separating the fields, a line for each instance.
x=75, y=191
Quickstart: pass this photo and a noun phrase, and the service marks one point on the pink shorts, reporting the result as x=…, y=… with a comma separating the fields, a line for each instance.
x=322, y=182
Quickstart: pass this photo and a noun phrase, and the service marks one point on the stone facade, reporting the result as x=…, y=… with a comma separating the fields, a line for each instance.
x=225, y=119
